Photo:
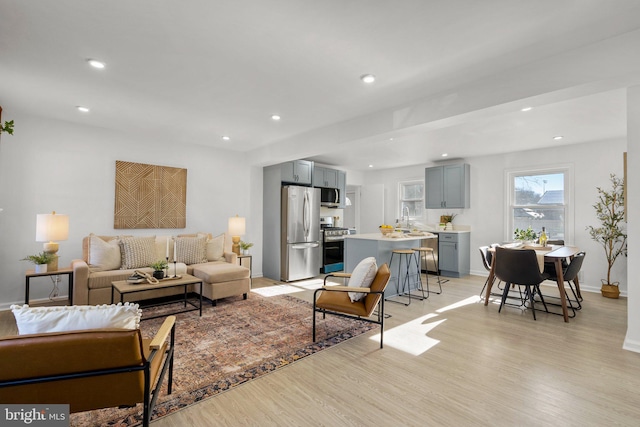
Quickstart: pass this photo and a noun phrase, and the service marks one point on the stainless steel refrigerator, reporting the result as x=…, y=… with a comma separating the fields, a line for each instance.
x=300, y=239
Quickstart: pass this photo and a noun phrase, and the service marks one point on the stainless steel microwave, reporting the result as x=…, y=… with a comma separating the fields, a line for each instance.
x=330, y=197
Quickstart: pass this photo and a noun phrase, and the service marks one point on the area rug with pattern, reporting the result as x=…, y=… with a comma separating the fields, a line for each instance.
x=233, y=342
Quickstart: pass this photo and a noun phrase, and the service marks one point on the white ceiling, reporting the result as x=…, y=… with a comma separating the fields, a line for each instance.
x=452, y=75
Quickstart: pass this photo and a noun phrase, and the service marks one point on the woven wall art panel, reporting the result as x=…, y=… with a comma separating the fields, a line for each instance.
x=149, y=196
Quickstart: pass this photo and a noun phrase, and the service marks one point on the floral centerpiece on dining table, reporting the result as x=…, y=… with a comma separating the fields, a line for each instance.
x=527, y=236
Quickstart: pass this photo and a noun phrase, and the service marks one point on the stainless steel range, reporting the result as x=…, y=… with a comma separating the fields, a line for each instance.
x=333, y=249
x=332, y=239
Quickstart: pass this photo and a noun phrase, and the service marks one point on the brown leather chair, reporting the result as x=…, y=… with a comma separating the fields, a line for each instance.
x=335, y=300
x=88, y=369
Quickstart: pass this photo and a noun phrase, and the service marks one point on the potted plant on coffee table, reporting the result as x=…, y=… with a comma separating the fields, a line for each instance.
x=610, y=234
x=158, y=269
x=40, y=261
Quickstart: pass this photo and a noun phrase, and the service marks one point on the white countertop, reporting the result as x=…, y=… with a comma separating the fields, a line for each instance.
x=379, y=236
x=428, y=228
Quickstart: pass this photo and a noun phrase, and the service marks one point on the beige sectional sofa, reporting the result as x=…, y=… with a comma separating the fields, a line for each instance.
x=111, y=258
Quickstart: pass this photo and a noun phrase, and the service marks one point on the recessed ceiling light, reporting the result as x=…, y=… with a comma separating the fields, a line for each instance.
x=82, y=109
x=445, y=154
x=559, y=137
x=368, y=78
x=390, y=139
x=226, y=138
x=526, y=109
x=275, y=117
x=96, y=64
x=370, y=166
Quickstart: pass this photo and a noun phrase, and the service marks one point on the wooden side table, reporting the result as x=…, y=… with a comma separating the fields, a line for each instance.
x=246, y=261
x=31, y=273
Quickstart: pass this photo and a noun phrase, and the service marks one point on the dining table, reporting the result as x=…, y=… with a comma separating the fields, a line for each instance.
x=551, y=253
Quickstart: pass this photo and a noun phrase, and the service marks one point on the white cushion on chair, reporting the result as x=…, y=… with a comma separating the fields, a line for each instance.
x=36, y=320
x=362, y=277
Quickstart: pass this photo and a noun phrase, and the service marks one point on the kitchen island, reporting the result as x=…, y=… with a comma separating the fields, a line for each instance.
x=360, y=246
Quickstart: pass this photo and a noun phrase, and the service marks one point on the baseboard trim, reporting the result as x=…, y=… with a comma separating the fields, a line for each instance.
x=631, y=345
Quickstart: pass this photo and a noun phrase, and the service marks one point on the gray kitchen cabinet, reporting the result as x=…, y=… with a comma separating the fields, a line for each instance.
x=454, y=254
x=325, y=177
x=342, y=186
x=447, y=186
x=297, y=172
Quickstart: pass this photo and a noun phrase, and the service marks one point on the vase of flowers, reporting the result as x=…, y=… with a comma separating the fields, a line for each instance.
x=527, y=236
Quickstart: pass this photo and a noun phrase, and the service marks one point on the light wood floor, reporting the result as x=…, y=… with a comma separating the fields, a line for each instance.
x=464, y=365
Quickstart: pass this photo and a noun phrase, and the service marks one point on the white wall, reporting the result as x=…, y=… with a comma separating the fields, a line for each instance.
x=52, y=165
x=632, y=340
x=592, y=164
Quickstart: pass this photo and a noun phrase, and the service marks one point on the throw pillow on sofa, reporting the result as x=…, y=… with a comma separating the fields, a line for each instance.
x=191, y=250
x=215, y=248
x=103, y=255
x=362, y=276
x=37, y=320
x=137, y=252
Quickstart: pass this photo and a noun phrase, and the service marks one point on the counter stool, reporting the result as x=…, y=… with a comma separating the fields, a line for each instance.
x=409, y=257
x=423, y=253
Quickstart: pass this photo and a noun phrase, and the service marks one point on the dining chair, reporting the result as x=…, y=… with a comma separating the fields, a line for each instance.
x=487, y=257
x=569, y=275
x=558, y=242
x=486, y=262
x=519, y=267
x=550, y=267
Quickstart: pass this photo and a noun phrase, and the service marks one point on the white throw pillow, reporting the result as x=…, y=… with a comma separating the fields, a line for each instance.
x=103, y=256
x=37, y=320
x=362, y=277
x=215, y=248
x=137, y=252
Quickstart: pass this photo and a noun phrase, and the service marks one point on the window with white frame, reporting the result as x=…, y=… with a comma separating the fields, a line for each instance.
x=540, y=198
x=411, y=195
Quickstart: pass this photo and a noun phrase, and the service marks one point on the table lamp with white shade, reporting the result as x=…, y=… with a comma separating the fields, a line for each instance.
x=49, y=229
x=237, y=228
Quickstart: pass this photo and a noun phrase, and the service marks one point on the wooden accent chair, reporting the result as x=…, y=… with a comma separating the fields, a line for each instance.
x=87, y=369
x=335, y=300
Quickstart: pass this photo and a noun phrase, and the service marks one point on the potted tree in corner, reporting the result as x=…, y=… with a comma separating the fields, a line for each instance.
x=610, y=234
x=7, y=127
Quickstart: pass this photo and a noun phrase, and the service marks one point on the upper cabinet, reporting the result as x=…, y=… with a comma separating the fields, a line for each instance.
x=331, y=178
x=297, y=172
x=324, y=177
x=447, y=187
x=342, y=186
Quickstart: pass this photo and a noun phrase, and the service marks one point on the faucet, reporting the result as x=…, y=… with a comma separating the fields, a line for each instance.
x=405, y=210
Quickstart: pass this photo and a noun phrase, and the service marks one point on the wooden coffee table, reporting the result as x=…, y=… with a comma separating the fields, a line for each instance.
x=123, y=287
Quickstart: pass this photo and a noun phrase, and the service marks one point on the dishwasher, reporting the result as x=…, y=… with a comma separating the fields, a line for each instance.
x=431, y=266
